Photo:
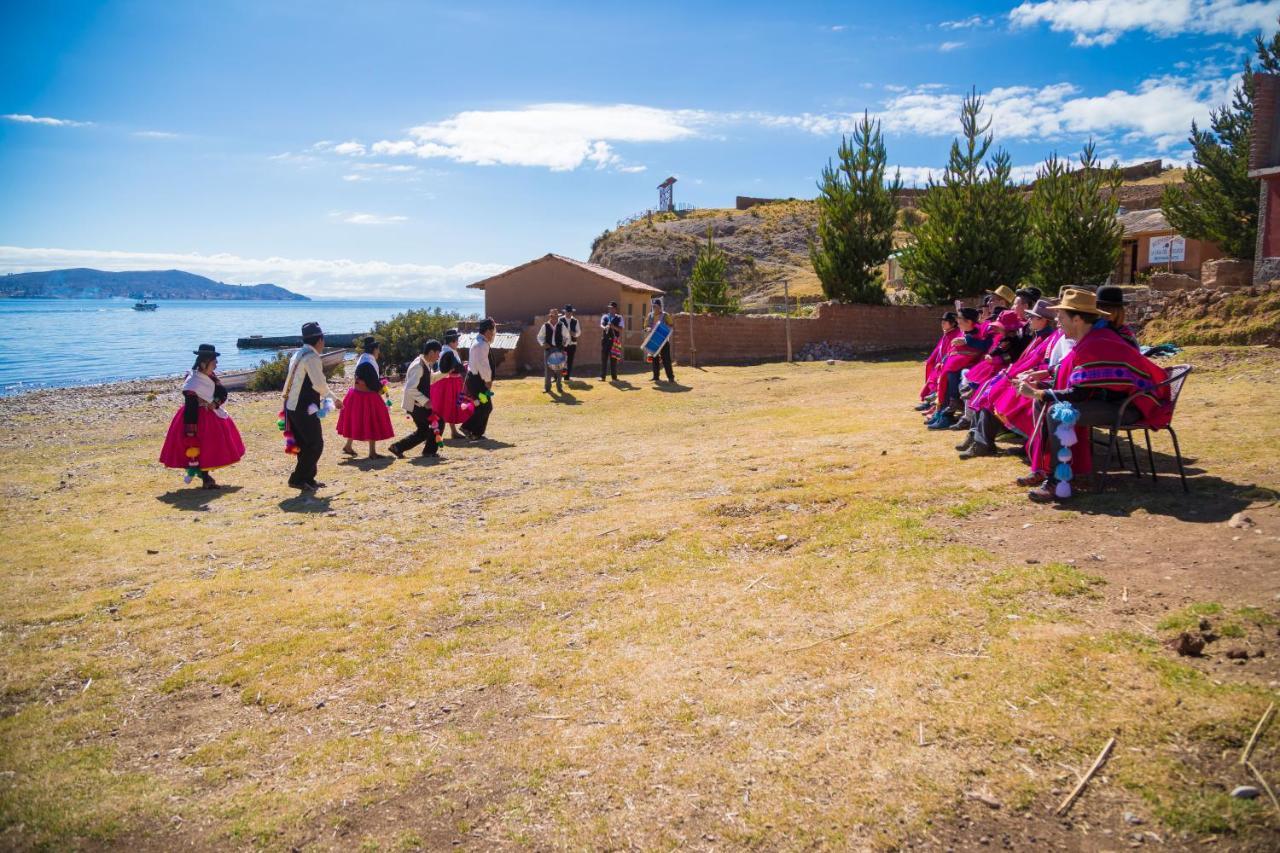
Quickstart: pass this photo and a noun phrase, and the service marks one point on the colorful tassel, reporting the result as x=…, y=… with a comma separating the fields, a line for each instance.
x=1062, y=489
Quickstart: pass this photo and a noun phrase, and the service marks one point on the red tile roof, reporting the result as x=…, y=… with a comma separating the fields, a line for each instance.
x=604, y=272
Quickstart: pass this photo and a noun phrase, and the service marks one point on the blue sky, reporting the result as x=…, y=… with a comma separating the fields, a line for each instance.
x=404, y=149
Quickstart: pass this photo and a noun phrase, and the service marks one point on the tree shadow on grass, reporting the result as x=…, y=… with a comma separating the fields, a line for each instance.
x=195, y=499
x=305, y=502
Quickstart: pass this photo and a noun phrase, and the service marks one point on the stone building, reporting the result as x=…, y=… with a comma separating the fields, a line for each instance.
x=1264, y=164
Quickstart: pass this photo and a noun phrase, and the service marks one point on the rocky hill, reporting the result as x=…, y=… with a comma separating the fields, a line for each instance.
x=156, y=284
x=767, y=244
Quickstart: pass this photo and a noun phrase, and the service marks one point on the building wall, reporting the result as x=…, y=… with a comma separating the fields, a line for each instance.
x=1198, y=251
x=528, y=293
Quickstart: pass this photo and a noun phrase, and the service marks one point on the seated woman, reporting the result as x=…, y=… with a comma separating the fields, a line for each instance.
x=966, y=350
x=1100, y=373
x=932, y=364
x=364, y=415
x=1004, y=331
x=998, y=393
x=201, y=434
x=1111, y=300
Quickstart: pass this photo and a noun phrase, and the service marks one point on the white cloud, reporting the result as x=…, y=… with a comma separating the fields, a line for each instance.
x=967, y=23
x=349, y=149
x=1159, y=111
x=1102, y=22
x=156, y=134
x=311, y=276
x=369, y=218
x=918, y=176
x=23, y=118
x=948, y=46
x=560, y=137
x=631, y=170
x=354, y=178
x=838, y=28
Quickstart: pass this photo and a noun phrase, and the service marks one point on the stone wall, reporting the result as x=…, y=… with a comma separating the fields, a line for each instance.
x=738, y=339
x=1226, y=272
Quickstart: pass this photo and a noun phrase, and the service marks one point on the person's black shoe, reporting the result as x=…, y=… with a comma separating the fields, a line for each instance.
x=314, y=486
x=471, y=436
x=977, y=449
x=396, y=452
x=967, y=443
x=294, y=484
x=963, y=423
x=207, y=482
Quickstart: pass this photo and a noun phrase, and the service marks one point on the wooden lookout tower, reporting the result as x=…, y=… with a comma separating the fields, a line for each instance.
x=666, y=204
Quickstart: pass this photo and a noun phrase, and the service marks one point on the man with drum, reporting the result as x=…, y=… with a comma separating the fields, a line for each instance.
x=661, y=358
x=610, y=332
x=553, y=336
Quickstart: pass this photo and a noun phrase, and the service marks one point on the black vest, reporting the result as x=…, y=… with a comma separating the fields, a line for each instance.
x=554, y=336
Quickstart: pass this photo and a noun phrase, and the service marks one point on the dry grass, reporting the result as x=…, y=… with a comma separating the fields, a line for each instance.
x=711, y=618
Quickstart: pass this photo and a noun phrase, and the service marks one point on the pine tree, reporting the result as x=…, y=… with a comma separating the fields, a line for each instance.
x=1075, y=236
x=709, y=283
x=856, y=215
x=973, y=237
x=1219, y=201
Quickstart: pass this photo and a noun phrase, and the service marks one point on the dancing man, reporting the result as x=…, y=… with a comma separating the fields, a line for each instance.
x=417, y=402
x=553, y=336
x=479, y=381
x=573, y=331
x=305, y=389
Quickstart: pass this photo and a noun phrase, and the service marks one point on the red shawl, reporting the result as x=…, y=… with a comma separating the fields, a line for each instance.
x=933, y=363
x=961, y=355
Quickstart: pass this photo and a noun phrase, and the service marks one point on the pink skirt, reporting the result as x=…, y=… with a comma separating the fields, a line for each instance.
x=364, y=417
x=217, y=440
x=446, y=400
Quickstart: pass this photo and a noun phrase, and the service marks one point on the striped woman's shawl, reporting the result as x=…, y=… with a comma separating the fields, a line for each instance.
x=1103, y=359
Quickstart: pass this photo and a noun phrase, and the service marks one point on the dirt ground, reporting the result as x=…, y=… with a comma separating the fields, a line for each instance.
x=760, y=609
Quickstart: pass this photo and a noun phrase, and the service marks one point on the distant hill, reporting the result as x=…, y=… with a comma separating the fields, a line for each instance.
x=154, y=284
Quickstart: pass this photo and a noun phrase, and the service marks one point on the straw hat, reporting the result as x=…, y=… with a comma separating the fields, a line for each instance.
x=1005, y=293
x=1081, y=301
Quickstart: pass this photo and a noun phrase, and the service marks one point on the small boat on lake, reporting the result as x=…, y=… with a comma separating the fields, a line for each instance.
x=144, y=305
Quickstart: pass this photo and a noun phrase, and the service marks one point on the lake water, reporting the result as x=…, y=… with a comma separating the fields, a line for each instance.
x=60, y=342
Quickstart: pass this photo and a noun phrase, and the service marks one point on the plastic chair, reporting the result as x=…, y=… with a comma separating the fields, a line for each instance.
x=1177, y=377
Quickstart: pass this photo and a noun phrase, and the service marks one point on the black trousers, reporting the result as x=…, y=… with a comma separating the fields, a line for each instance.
x=571, y=350
x=662, y=358
x=309, y=439
x=422, y=433
x=607, y=361
x=479, y=420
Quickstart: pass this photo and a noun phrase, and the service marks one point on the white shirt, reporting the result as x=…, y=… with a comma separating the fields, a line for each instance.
x=478, y=359
x=412, y=396
x=575, y=328
x=549, y=340
x=305, y=362
x=1059, y=351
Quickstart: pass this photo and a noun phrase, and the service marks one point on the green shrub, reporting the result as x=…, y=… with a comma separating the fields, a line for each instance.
x=271, y=373
x=402, y=337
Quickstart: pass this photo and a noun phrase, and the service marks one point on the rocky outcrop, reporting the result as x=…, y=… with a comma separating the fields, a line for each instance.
x=1226, y=272
x=765, y=246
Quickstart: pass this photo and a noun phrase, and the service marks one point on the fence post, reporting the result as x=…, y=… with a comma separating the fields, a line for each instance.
x=693, y=350
x=786, y=314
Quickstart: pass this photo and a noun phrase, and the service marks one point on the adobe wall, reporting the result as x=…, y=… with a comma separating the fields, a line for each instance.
x=742, y=338
x=529, y=292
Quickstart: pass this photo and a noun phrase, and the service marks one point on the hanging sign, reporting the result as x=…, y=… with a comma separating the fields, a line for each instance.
x=1164, y=250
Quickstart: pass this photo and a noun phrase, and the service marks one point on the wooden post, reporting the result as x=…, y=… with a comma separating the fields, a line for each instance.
x=786, y=309
x=693, y=350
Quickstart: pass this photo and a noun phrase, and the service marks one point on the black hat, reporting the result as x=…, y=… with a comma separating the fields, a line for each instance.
x=1109, y=294
x=949, y=317
x=207, y=349
x=569, y=308
x=970, y=314
x=312, y=330
x=369, y=344
x=1030, y=295
x=431, y=346
x=613, y=305
x=450, y=335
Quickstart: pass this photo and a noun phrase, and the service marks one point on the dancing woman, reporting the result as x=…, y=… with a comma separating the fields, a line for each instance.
x=364, y=415
x=202, y=435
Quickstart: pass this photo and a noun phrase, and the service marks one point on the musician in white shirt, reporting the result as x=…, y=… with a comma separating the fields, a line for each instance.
x=553, y=337
x=573, y=330
x=663, y=356
x=479, y=380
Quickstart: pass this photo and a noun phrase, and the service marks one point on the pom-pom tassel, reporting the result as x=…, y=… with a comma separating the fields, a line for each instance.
x=1062, y=489
x=1062, y=472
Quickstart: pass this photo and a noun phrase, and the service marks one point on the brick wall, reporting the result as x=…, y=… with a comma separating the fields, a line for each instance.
x=740, y=338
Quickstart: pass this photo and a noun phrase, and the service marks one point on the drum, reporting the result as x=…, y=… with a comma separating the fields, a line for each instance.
x=657, y=337
x=557, y=359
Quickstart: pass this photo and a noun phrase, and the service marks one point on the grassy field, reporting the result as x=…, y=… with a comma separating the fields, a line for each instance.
x=764, y=609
